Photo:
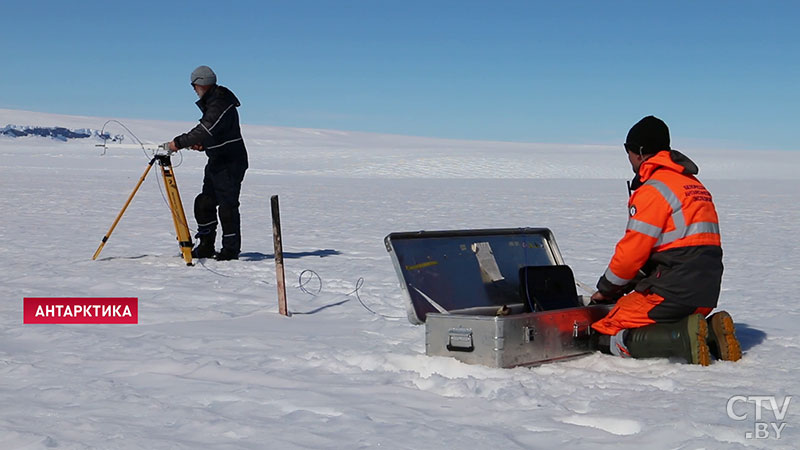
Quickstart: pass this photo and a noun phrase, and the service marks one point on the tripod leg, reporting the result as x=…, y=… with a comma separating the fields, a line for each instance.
x=119, y=216
x=178, y=216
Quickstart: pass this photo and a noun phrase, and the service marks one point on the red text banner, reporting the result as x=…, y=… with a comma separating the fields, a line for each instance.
x=80, y=310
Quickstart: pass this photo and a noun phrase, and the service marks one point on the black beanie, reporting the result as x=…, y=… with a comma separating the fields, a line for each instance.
x=651, y=134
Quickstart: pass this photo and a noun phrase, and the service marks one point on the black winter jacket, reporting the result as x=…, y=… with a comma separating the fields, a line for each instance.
x=218, y=131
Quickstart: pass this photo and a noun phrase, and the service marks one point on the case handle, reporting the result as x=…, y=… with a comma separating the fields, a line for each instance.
x=460, y=340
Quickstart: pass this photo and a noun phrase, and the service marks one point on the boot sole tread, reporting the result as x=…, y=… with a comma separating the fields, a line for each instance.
x=702, y=355
x=725, y=334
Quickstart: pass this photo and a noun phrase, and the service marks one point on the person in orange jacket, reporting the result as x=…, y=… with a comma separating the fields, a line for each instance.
x=670, y=258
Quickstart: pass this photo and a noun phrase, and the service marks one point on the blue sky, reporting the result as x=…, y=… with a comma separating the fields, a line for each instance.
x=720, y=73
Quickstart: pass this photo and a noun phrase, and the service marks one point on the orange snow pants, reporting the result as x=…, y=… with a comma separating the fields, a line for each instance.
x=638, y=309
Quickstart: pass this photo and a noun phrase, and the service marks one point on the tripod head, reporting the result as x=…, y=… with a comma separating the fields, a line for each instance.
x=163, y=149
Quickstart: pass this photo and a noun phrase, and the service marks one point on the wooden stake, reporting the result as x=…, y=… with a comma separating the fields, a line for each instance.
x=276, y=235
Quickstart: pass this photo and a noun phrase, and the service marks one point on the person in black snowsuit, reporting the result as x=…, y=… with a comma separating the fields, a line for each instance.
x=219, y=135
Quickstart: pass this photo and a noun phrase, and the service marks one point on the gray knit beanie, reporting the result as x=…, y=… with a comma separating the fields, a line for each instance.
x=204, y=76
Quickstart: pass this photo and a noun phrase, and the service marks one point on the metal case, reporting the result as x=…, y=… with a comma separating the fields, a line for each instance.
x=512, y=340
x=464, y=285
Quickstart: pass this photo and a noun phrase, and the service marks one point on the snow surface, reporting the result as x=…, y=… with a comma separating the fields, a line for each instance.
x=212, y=365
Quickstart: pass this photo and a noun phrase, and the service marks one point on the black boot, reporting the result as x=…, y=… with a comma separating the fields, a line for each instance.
x=722, y=340
x=686, y=339
x=205, y=248
x=226, y=255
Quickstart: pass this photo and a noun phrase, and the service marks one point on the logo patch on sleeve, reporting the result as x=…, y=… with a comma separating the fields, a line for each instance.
x=632, y=210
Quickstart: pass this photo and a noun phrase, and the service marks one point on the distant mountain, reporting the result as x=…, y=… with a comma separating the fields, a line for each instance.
x=58, y=133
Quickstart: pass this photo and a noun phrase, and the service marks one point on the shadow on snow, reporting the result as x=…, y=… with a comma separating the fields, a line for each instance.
x=749, y=337
x=257, y=256
x=321, y=308
x=249, y=256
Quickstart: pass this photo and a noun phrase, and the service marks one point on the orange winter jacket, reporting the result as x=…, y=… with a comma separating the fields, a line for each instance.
x=672, y=243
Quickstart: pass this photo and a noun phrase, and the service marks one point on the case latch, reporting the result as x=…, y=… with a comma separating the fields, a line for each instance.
x=528, y=334
x=460, y=340
x=581, y=329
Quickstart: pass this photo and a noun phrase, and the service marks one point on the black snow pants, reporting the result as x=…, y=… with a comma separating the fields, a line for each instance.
x=222, y=184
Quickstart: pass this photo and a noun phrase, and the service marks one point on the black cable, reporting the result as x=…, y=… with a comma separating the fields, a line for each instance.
x=302, y=284
x=126, y=129
x=359, y=284
x=200, y=261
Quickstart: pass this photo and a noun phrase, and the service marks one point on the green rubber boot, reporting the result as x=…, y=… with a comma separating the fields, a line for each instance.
x=722, y=340
x=685, y=339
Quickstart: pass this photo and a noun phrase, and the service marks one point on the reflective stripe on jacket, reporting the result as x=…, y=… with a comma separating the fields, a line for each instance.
x=672, y=242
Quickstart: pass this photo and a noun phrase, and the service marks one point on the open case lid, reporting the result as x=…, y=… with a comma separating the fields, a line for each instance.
x=442, y=271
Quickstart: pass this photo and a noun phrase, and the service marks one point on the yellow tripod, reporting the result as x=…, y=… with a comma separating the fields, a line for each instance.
x=175, y=207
